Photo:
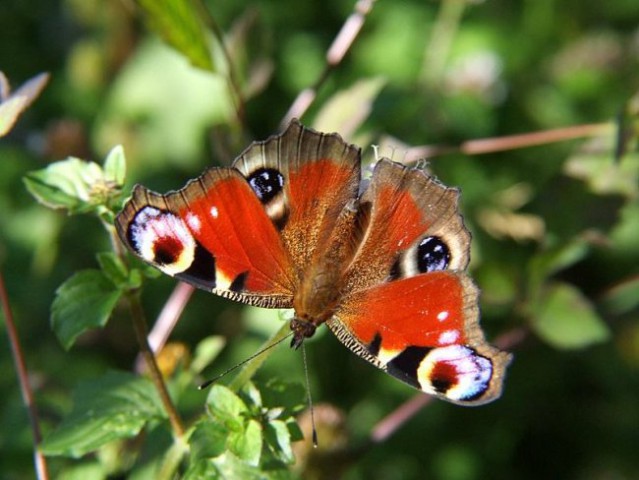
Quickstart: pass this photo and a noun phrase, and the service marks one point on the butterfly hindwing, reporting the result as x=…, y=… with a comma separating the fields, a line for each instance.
x=424, y=330
x=408, y=308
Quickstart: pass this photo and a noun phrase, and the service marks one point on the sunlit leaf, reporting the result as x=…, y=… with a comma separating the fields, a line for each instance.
x=567, y=320
x=162, y=108
x=227, y=407
x=84, y=471
x=206, y=351
x=115, y=166
x=12, y=105
x=623, y=297
x=278, y=437
x=345, y=111
x=117, y=405
x=247, y=445
x=72, y=184
x=595, y=165
x=178, y=23
x=84, y=301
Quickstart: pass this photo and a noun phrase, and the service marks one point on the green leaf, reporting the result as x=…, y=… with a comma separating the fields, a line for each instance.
x=208, y=440
x=227, y=407
x=345, y=111
x=115, y=166
x=135, y=278
x=73, y=184
x=227, y=466
x=12, y=106
x=288, y=396
x=205, y=352
x=116, y=406
x=113, y=268
x=247, y=445
x=595, y=166
x=84, y=471
x=205, y=469
x=556, y=259
x=178, y=23
x=84, y=301
x=566, y=319
x=278, y=437
x=623, y=297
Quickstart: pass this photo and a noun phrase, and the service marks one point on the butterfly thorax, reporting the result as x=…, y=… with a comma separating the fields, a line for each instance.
x=321, y=286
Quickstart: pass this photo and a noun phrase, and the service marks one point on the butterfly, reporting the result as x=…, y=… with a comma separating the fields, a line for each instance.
x=291, y=224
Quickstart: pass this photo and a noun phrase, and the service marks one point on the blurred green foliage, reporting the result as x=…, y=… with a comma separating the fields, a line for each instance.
x=555, y=226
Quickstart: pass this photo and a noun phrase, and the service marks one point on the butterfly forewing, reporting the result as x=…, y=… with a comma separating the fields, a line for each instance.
x=321, y=175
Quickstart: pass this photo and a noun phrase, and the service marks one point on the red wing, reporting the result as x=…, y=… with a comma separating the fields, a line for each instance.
x=248, y=232
x=424, y=330
x=320, y=174
x=214, y=234
x=405, y=207
x=407, y=306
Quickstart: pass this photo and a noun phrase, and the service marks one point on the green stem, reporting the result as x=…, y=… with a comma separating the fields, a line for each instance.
x=255, y=363
x=141, y=333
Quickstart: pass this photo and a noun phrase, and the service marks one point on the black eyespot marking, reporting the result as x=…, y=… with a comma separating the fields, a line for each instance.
x=432, y=254
x=443, y=377
x=201, y=272
x=167, y=250
x=266, y=183
x=405, y=365
x=237, y=285
x=396, y=270
x=373, y=347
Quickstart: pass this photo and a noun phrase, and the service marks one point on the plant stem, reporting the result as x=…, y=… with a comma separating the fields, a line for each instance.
x=334, y=56
x=141, y=332
x=509, y=142
x=23, y=380
x=256, y=362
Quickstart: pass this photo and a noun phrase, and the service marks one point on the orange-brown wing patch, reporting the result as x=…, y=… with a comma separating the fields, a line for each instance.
x=320, y=175
x=427, y=310
x=405, y=207
x=424, y=330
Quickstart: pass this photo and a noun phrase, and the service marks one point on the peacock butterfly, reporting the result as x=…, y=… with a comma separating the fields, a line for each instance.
x=291, y=225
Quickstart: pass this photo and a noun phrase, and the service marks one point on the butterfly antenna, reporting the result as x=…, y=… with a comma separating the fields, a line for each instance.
x=310, y=398
x=208, y=383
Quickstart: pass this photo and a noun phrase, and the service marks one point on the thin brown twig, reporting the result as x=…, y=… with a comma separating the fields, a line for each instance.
x=508, y=142
x=167, y=319
x=23, y=380
x=334, y=56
